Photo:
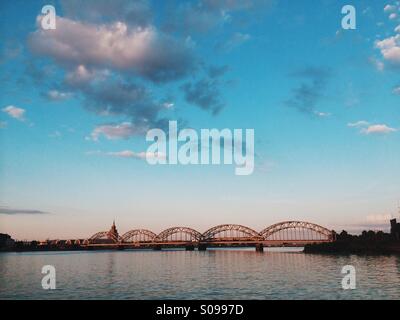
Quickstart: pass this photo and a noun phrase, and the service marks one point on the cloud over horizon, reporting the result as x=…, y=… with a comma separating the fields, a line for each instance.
x=13, y=211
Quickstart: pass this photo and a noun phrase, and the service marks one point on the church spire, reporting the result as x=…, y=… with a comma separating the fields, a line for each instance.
x=113, y=233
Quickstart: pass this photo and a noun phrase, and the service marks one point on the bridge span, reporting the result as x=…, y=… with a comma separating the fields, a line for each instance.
x=283, y=234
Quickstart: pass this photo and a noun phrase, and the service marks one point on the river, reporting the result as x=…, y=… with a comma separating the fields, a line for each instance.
x=213, y=274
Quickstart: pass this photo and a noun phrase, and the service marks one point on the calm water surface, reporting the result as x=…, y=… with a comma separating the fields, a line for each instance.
x=214, y=274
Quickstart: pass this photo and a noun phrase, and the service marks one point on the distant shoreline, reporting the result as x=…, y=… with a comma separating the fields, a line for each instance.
x=354, y=247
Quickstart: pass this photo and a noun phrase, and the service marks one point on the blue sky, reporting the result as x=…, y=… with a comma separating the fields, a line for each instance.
x=323, y=101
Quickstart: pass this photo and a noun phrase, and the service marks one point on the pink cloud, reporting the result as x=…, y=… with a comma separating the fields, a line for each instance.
x=15, y=112
x=378, y=129
x=141, y=50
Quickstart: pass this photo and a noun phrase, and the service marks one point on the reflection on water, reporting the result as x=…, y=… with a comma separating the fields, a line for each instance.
x=214, y=274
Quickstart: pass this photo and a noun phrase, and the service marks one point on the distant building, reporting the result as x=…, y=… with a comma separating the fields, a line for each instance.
x=6, y=241
x=395, y=229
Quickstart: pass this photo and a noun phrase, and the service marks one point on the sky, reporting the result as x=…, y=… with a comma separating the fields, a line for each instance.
x=76, y=103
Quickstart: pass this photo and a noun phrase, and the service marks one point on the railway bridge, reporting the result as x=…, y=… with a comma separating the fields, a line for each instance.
x=282, y=234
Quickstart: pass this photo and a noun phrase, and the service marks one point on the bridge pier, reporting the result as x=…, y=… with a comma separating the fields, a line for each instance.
x=202, y=247
x=157, y=248
x=259, y=247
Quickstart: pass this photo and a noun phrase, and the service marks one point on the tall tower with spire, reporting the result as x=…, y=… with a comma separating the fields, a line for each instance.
x=395, y=227
x=113, y=233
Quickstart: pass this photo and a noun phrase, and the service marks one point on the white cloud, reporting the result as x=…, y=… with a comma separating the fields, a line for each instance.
x=123, y=154
x=56, y=95
x=366, y=10
x=129, y=154
x=168, y=105
x=55, y=134
x=140, y=155
x=115, y=131
x=379, y=65
x=393, y=16
x=390, y=48
x=15, y=112
x=389, y=8
x=141, y=50
x=396, y=90
x=358, y=124
x=234, y=41
x=81, y=75
x=378, y=129
x=367, y=128
x=322, y=114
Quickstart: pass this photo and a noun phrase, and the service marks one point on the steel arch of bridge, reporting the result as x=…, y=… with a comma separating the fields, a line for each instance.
x=150, y=235
x=269, y=231
x=193, y=234
x=103, y=234
x=99, y=235
x=210, y=234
